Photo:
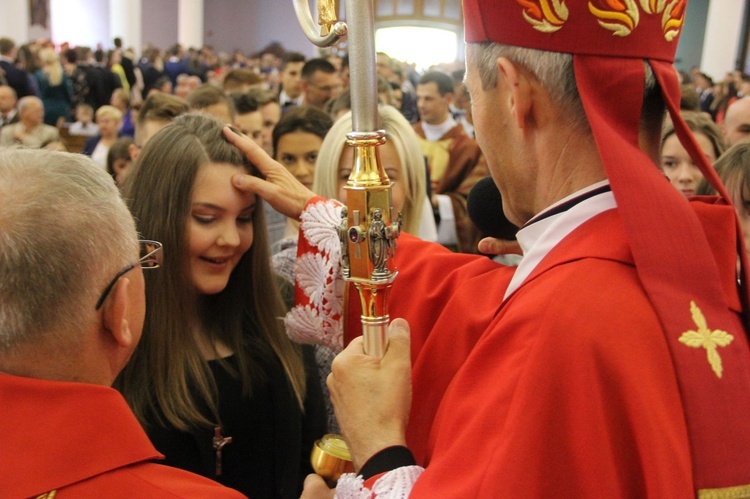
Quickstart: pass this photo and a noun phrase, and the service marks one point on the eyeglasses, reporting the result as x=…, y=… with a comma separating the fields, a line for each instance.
x=151, y=258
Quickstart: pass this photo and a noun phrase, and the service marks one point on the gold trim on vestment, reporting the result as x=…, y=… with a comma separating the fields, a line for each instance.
x=738, y=492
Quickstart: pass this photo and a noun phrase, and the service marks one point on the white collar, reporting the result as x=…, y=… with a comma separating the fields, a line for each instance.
x=435, y=132
x=539, y=238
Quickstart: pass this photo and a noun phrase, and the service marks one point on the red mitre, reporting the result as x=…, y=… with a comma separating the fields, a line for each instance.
x=609, y=40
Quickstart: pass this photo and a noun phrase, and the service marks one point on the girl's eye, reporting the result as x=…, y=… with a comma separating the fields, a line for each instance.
x=245, y=219
x=392, y=174
x=288, y=159
x=312, y=157
x=668, y=163
x=345, y=173
x=201, y=219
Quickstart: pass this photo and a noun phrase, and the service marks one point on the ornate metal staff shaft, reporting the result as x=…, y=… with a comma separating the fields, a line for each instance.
x=371, y=225
x=368, y=230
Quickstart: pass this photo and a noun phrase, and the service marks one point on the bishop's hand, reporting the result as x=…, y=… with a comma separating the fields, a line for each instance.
x=371, y=396
x=280, y=189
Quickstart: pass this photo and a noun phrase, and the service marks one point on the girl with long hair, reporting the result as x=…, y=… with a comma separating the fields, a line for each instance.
x=216, y=383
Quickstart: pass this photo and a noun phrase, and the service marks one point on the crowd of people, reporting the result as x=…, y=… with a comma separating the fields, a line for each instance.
x=593, y=368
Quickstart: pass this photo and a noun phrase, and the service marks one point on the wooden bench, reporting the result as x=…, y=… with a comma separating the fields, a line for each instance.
x=74, y=143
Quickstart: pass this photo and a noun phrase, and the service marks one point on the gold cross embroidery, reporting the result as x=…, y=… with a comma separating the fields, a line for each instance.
x=706, y=338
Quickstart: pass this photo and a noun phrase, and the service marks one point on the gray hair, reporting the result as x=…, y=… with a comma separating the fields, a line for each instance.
x=24, y=102
x=555, y=72
x=64, y=233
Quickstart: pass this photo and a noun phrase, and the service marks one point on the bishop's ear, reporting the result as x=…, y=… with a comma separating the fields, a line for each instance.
x=518, y=87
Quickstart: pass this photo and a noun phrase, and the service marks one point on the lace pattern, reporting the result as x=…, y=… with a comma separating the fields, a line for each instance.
x=317, y=316
x=396, y=484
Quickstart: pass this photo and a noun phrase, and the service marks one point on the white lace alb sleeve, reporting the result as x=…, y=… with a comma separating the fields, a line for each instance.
x=396, y=484
x=317, y=315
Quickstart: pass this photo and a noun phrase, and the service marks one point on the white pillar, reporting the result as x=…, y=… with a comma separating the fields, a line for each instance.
x=190, y=23
x=125, y=22
x=15, y=20
x=722, y=38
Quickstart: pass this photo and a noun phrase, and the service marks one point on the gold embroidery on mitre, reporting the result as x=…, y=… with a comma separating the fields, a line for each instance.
x=706, y=338
x=672, y=15
x=619, y=16
x=738, y=492
x=672, y=19
x=546, y=16
x=48, y=495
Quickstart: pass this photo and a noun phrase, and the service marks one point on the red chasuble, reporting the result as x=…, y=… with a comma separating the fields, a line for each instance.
x=570, y=391
x=81, y=440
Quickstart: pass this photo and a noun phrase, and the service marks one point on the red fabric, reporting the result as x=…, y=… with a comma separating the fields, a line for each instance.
x=610, y=40
x=82, y=440
x=671, y=278
x=569, y=390
x=596, y=27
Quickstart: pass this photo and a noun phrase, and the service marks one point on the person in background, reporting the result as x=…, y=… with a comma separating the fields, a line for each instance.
x=30, y=130
x=297, y=139
x=454, y=160
x=84, y=124
x=403, y=161
x=320, y=83
x=270, y=111
x=158, y=111
x=70, y=318
x=736, y=124
x=210, y=100
x=249, y=118
x=733, y=168
x=16, y=77
x=55, y=88
x=108, y=119
x=121, y=100
x=676, y=163
x=8, y=102
x=219, y=388
x=291, y=80
x=118, y=159
x=241, y=80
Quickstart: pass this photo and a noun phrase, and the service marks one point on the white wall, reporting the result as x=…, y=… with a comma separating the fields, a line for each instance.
x=722, y=37
x=159, y=25
x=251, y=25
x=80, y=22
x=14, y=23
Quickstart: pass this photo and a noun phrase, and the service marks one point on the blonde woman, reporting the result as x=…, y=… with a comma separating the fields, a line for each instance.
x=402, y=159
x=54, y=86
x=108, y=119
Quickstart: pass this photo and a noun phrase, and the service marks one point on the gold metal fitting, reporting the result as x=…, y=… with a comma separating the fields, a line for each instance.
x=330, y=457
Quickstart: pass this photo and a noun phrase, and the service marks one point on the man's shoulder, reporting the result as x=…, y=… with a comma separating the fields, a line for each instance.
x=8, y=131
x=460, y=138
x=50, y=130
x=151, y=480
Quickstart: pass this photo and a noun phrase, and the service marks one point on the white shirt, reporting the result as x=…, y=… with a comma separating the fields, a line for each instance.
x=540, y=237
x=99, y=155
x=434, y=132
x=284, y=99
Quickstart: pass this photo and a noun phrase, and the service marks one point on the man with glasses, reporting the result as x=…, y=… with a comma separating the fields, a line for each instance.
x=320, y=83
x=72, y=306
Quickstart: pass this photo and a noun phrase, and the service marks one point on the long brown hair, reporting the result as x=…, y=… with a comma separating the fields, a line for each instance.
x=167, y=376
